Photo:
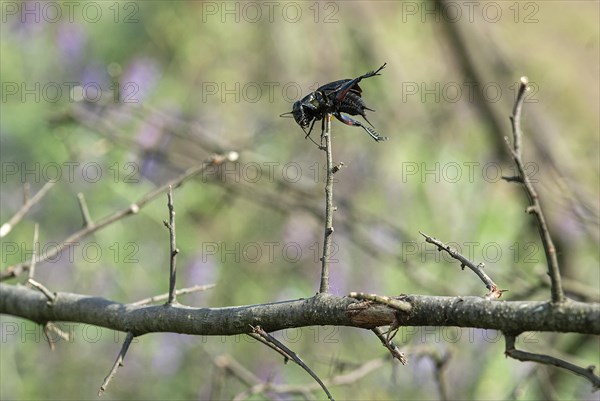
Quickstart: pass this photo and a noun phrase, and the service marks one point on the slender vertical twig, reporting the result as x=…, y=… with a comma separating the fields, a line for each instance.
x=174, y=251
x=324, y=288
x=118, y=363
x=85, y=213
x=36, y=247
x=535, y=208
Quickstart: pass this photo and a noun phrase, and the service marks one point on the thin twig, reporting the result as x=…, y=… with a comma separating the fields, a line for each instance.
x=477, y=269
x=324, y=287
x=46, y=330
x=292, y=355
x=534, y=208
x=36, y=247
x=85, y=213
x=29, y=203
x=118, y=363
x=174, y=251
x=182, y=291
x=51, y=327
x=26, y=192
x=215, y=160
x=523, y=356
x=271, y=345
x=387, y=343
x=49, y=294
x=383, y=299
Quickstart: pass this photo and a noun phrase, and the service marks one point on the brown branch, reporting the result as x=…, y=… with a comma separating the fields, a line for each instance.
x=29, y=203
x=535, y=207
x=118, y=363
x=215, y=160
x=173, y=246
x=181, y=291
x=495, y=292
x=329, y=209
x=524, y=356
x=293, y=356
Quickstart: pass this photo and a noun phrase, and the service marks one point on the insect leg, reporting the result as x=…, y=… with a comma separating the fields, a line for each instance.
x=350, y=121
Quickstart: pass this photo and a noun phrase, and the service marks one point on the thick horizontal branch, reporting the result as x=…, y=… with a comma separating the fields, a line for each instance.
x=322, y=309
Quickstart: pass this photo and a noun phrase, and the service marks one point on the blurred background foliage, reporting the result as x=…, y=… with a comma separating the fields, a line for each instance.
x=169, y=83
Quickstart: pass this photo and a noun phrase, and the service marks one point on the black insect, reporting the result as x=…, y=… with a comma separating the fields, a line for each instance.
x=343, y=96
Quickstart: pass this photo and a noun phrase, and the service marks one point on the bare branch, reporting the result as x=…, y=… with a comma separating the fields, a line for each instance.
x=323, y=309
x=478, y=269
x=174, y=251
x=535, y=207
x=29, y=203
x=523, y=356
x=329, y=209
x=118, y=363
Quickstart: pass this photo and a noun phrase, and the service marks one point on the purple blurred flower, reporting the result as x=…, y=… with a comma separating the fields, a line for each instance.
x=70, y=40
x=140, y=76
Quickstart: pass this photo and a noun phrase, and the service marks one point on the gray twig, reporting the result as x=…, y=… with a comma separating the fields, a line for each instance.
x=495, y=292
x=324, y=287
x=174, y=251
x=534, y=208
x=118, y=363
x=523, y=356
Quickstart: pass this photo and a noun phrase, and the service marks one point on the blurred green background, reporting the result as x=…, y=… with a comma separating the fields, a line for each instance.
x=111, y=99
